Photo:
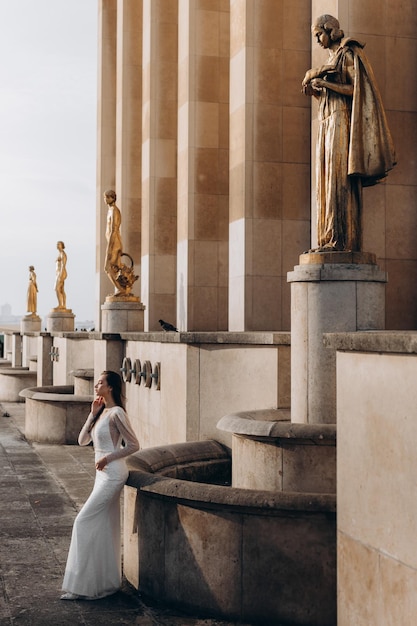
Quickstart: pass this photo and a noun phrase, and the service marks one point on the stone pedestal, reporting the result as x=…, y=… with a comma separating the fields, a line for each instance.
x=122, y=316
x=330, y=292
x=30, y=324
x=60, y=320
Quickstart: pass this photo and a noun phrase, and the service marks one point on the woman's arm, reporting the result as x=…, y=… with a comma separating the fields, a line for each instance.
x=121, y=423
x=84, y=438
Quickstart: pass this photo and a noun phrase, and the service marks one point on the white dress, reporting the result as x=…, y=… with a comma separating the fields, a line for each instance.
x=94, y=562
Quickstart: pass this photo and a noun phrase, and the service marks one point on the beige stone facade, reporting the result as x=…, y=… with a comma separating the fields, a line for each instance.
x=206, y=136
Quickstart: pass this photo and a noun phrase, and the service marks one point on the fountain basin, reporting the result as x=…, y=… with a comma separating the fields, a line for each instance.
x=13, y=380
x=250, y=555
x=54, y=414
x=272, y=453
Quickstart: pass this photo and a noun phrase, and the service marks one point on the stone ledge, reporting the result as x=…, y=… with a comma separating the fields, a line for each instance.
x=55, y=393
x=218, y=337
x=145, y=475
x=83, y=373
x=211, y=496
x=400, y=342
x=275, y=424
x=16, y=371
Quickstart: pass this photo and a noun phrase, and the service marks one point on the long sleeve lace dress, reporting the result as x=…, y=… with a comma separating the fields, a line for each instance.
x=93, y=567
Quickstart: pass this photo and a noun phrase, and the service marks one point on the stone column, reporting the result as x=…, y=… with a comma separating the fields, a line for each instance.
x=106, y=141
x=269, y=158
x=129, y=127
x=16, y=350
x=108, y=354
x=203, y=165
x=330, y=292
x=159, y=174
x=44, y=370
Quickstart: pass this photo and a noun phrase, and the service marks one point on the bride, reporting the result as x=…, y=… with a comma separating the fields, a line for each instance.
x=93, y=567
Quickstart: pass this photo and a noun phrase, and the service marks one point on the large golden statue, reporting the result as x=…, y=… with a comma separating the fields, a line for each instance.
x=60, y=276
x=354, y=146
x=120, y=275
x=32, y=295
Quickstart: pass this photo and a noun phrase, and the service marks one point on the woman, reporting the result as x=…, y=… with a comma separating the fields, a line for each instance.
x=93, y=568
x=354, y=147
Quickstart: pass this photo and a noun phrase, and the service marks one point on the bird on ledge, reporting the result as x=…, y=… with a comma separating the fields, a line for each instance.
x=167, y=326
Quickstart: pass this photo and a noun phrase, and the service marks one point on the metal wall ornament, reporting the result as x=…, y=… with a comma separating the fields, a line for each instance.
x=54, y=353
x=136, y=372
x=126, y=370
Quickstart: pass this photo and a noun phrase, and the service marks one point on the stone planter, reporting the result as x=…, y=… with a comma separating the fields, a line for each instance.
x=238, y=554
x=54, y=414
x=13, y=380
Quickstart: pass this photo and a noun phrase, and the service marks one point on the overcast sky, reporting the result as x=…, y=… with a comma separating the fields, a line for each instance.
x=48, y=77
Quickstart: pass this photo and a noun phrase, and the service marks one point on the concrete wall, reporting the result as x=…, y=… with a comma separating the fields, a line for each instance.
x=75, y=352
x=376, y=469
x=200, y=382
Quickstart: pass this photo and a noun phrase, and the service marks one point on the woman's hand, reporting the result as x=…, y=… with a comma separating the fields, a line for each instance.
x=96, y=404
x=101, y=464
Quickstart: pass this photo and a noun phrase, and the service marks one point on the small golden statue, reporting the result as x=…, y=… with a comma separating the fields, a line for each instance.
x=120, y=275
x=32, y=295
x=61, y=274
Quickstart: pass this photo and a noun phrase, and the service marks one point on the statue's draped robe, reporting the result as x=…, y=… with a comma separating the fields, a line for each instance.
x=32, y=295
x=354, y=148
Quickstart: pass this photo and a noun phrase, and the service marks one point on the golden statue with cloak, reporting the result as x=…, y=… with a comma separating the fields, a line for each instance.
x=354, y=145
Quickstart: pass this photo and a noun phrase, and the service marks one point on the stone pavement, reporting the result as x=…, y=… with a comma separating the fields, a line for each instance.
x=41, y=489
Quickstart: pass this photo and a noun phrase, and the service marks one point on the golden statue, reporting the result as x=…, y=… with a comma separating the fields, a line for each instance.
x=61, y=274
x=354, y=146
x=32, y=295
x=120, y=275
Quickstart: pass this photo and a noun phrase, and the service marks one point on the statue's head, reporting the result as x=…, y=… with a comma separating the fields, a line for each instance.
x=60, y=245
x=31, y=268
x=330, y=25
x=110, y=195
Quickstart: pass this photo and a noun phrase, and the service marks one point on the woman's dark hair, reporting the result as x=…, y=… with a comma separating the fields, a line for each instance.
x=114, y=381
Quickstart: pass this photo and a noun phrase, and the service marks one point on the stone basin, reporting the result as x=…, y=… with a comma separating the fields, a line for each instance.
x=272, y=453
x=215, y=550
x=54, y=414
x=13, y=380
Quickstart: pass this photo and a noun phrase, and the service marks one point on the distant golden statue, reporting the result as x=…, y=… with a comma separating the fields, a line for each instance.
x=32, y=295
x=60, y=275
x=354, y=145
x=120, y=275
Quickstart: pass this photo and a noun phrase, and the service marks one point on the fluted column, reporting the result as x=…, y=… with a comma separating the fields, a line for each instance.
x=159, y=149
x=106, y=137
x=203, y=156
x=269, y=158
x=129, y=127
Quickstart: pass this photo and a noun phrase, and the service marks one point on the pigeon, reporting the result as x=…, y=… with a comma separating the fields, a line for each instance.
x=167, y=326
